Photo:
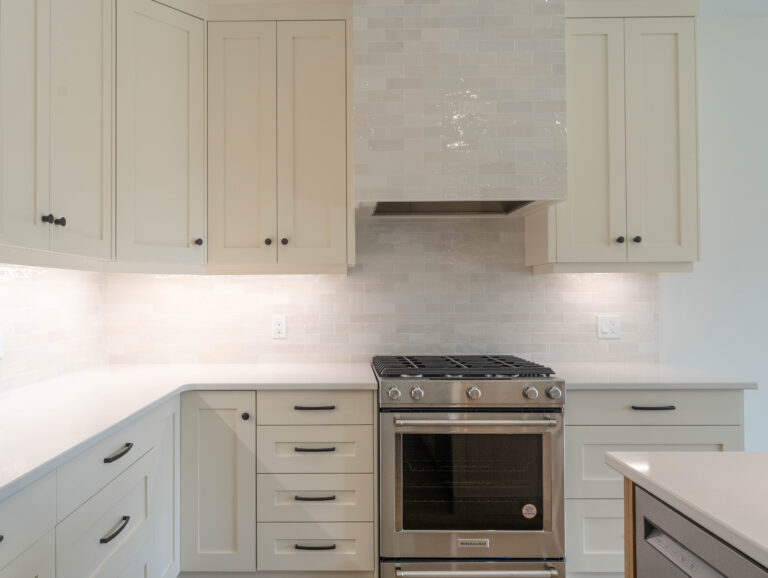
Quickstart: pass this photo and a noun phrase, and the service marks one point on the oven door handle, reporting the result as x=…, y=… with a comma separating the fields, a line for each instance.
x=474, y=422
x=548, y=573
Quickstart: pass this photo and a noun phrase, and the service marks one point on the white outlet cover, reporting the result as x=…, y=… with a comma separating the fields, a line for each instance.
x=278, y=327
x=608, y=327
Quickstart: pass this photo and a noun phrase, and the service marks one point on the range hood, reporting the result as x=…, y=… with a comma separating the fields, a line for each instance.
x=459, y=106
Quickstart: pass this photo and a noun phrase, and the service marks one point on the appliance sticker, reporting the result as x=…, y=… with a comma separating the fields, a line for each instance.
x=530, y=511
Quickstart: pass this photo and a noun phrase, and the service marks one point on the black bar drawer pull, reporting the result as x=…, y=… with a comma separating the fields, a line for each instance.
x=314, y=498
x=2, y=538
x=314, y=548
x=314, y=450
x=119, y=528
x=314, y=407
x=119, y=453
x=654, y=407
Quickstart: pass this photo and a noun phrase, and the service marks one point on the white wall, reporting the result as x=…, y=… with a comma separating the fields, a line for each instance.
x=717, y=317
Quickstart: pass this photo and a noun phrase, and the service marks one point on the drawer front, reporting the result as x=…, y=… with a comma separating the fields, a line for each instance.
x=655, y=407
x=118, y=513
x=26, y=516
x=314, y=449
x=594, y=535
x=39, y=561
x=346, y=547
x=83, y=476
x=314, y=498
x=314, y=407
x=585, y=448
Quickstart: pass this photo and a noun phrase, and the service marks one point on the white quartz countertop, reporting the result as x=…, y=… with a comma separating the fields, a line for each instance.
x=600, y=375
x=47, y=423
x=725, y=492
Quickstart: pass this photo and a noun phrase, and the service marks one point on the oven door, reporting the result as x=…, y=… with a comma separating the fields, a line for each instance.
x=471, y=485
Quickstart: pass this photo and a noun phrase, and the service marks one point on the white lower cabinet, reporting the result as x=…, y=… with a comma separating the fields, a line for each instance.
x=601, y=421
x=218, y=465
x=39, y=561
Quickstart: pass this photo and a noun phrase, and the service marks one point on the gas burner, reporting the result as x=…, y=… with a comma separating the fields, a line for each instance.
x=458, y=367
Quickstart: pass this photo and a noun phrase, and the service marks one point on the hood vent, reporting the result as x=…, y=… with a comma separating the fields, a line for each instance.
x=446, y=208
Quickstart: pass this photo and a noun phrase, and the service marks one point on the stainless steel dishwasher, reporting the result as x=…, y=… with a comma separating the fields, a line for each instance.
x=669, y=545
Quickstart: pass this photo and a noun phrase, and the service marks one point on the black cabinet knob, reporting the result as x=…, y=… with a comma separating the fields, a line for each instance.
x=638, y=239
x=198, y=242
x=62, y=222
x=284, y=241
x=47, y=218
x=620, y=240
x=246, y=416
x=267, y=241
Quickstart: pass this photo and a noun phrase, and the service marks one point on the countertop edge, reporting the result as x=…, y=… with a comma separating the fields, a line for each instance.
x=658, y=385
x=725, y=532
x=32, y=476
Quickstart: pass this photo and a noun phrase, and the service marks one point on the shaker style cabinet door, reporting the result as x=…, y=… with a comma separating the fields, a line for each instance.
x=591, y=223
x=242, y=136
x=39, y=561
x=24, y=97
x=218, y=481
x=81, y=126
x=662, y=189
x=312, y=142
x=160, y=134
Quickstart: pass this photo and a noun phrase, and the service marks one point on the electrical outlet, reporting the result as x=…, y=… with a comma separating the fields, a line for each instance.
x=608, y=327
x=278, y=327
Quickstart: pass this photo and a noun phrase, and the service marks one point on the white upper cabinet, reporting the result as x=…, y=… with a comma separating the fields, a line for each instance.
x=662, y=184
x=160, y=134
x=595, y=214
x=632, y=160
x=81, y=126
x=312, y=142
x=242, y=139
x=24, y=197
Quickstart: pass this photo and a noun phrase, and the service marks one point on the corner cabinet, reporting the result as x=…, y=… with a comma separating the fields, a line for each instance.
x=632, y=151
x=278, y=155
x=160, y=134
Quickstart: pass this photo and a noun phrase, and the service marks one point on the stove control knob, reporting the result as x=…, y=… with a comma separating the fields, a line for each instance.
x=394, y=393
x=554, y=392
x=474, y=392
x=531, y=392
x=417, y=393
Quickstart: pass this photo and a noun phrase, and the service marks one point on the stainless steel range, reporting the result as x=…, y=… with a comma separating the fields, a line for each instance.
x=471, y=467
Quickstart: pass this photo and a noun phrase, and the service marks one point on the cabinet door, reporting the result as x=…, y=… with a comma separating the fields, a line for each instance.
x=218, y=473
x=24, y=94
x=242, y=136
x=160, y=134
x=81, y=126
x=594, y=216
x=312, y=142
x=662, y=189
x=594, y=536
x=39, y=561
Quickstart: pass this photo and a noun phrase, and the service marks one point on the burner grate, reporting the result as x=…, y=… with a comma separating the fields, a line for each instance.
x=458, y=366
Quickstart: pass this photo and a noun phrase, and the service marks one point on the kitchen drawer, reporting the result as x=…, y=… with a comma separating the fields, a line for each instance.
x=123, y=503
x=585, y=448
x=314, y=407
x=39, y=561
x=594, y=535
x=314, y=498
x=284, y=449
x=26, y=516
x=278, y=547
x=83, y=476
x=692, y=407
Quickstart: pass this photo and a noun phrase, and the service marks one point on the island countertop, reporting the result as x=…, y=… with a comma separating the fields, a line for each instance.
x=724, y=492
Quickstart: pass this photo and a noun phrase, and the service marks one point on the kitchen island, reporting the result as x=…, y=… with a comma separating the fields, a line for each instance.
x=705, y=512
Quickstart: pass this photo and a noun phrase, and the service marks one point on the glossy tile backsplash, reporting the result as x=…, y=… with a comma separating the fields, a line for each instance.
x=50, y=323
x=460, y=99
x=422, y=286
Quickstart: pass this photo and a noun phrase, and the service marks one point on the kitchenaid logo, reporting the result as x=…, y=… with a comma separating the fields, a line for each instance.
x=474, y=543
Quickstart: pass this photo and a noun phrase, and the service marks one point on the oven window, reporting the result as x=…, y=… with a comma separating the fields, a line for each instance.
x=472, y=482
